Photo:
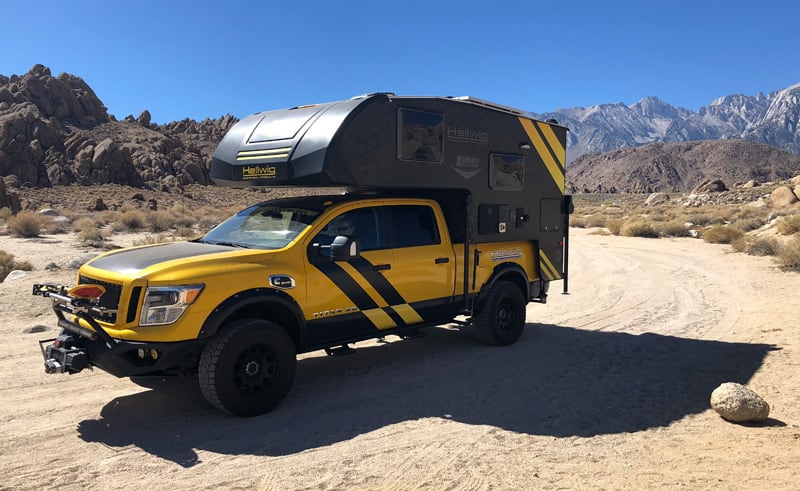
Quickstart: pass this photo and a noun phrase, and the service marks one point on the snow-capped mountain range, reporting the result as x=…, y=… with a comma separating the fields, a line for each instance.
x=771, y=119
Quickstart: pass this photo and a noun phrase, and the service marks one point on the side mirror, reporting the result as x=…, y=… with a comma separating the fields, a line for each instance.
x=344, y=248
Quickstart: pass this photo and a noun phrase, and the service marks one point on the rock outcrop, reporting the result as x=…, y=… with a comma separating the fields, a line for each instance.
x=9, y=200
x=783, y=196
x=56, y=131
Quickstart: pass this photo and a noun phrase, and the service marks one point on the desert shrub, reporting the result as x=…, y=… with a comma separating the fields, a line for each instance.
x=672, y=228
x=151, y=239
x=703, y=219
x=596, y=220
x=5, y=213
x=748, y=224
x=53, y=227
x=751, y=212
x=614, y=225
x=131, y=220
x=93, y=236
x=106, y=217
x=721, y=234
x=181, y=217
x=789, y=253
x=84, y=223
x=577, y=222
x=8, y=264
x=185, y=232
x=789, y=225
x=25, y=224
x=762, y=246
x=638, y=228
x=160, y=221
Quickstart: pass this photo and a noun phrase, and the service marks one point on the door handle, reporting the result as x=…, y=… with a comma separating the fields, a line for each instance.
x=441, y=260
x=382, y=267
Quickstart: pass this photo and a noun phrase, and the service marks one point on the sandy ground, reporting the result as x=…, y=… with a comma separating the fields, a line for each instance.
x=607, y=389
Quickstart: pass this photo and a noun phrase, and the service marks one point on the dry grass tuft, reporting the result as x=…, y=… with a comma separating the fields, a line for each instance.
x=160, y=221
x=789, y=253
x=638, y=228
x=25, y=224
x=789, y=225
x=722, y=234
x=131, y=220
x=673, y=228
x=151, y=239
x=756, y=246
x=614, y=225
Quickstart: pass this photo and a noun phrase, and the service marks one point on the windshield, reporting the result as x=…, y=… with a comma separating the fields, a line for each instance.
x=263, y=226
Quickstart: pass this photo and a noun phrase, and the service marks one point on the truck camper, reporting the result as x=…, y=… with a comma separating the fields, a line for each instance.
x=453, y=211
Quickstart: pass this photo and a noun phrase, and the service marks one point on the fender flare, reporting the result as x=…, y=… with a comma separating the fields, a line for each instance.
x=240, y=300
x=505, y=272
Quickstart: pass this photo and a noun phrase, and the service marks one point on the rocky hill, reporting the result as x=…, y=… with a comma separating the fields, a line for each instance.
x=680, y=166
x=56, y=131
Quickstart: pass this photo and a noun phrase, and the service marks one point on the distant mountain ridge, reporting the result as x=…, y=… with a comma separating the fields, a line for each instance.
x=770, y=119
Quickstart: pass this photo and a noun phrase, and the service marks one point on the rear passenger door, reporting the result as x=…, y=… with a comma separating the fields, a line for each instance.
x=423, y=266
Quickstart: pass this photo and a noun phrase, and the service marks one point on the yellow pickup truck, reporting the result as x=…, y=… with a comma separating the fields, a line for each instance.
x=454, y=211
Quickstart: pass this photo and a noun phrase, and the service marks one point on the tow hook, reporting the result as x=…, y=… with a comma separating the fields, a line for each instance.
x=61, y=356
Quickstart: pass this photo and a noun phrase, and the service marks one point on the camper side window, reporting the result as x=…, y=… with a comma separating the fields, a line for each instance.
x=420, y=136
x=506, y=172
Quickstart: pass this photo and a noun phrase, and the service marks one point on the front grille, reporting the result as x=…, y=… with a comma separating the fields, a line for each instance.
x=110, y=299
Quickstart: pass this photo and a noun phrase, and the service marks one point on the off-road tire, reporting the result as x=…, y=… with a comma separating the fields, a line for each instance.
x=248, y=368
x=501, y=318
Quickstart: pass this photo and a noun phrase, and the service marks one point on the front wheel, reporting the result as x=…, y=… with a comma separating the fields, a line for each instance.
x=502, y=316
x=248, y=368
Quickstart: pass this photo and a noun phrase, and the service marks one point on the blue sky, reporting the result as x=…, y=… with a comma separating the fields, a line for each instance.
x=200, y=59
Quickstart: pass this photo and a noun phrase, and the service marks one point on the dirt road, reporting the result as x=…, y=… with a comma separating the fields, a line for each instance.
x=608, y=388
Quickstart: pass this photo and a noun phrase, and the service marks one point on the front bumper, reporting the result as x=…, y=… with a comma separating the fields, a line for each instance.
x=72, y=352
x=78, y=348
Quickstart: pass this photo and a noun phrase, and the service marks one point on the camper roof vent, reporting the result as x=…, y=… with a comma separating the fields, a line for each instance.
x=370, y=94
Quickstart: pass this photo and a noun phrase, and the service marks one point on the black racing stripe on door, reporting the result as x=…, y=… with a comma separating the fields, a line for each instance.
x=379, y=282
x=348, y=285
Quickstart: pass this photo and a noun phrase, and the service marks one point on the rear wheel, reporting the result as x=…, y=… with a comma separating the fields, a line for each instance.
x=502, y=316
x=248, y=368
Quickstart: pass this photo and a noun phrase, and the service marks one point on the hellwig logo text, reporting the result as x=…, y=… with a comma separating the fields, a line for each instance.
x=259, y=172
x=467, y=135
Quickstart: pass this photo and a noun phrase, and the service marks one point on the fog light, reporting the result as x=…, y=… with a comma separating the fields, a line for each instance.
x=140, y=352
x=154, y=354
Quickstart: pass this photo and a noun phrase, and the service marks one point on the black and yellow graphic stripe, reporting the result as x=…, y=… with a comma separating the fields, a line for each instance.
x=552, y=152
x=380, y=303
x=548, y=270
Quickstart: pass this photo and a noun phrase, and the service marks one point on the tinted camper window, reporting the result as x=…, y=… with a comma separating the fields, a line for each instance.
x=420, y=136
x=506, y=172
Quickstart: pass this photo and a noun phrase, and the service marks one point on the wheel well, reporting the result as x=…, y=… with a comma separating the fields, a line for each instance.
x=273, y=312
x=512, y=275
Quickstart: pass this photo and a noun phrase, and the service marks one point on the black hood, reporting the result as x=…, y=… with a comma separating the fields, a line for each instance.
x=133, y=260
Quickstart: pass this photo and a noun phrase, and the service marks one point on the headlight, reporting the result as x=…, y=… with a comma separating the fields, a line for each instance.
x=165, y=304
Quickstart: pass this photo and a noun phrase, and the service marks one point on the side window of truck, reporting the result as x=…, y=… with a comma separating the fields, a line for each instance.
x=412, y=226
x=362, y=224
